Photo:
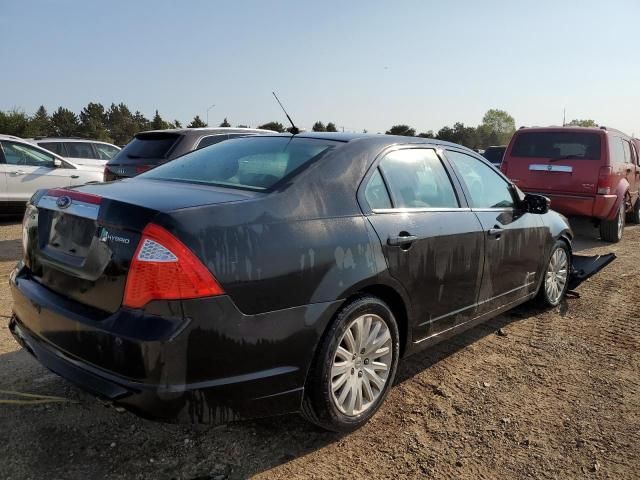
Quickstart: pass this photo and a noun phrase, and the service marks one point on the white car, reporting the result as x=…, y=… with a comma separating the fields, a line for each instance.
x=80, y=151
x=25, y=168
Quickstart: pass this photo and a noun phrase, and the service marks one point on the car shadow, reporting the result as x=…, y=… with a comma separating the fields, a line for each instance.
x=87, y=426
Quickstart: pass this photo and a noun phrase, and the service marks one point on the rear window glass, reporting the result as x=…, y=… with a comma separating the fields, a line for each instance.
x=570, y=145
x=494, y=154
x=147, y=146
x=254, y=163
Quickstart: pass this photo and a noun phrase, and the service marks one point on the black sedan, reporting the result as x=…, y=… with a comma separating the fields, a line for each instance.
x=274, y=274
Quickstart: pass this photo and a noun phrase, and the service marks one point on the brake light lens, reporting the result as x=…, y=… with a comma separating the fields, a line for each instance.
x=143, y=168
x=163, y=268
x=75, y=195
x=604, y=180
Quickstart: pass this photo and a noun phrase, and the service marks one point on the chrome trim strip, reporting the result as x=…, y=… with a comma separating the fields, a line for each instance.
x=550, y=168
x=77, y=208
x=414, y=210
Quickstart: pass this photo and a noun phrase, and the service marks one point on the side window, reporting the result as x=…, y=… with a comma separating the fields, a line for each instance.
x=55, y=147
x=486, y=187
x=617, y=150
x=211, y=140
x=376, y=192
x=80, y=150
x=417, y=179
x=626, y=146
x=20, y=154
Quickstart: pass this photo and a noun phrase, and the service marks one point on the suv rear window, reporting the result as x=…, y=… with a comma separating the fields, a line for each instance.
x=255, y=163
x=145, y=147
x=569, y=145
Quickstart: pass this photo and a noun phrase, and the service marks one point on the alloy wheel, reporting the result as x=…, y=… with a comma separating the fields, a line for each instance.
x=556, y=275
x=361, y=365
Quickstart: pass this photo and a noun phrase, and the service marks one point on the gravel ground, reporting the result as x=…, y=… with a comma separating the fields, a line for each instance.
x=533, y=393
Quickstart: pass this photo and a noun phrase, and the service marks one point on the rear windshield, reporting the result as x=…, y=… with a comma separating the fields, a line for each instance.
x=148, y=146
x=252, y=162
x=570, y=145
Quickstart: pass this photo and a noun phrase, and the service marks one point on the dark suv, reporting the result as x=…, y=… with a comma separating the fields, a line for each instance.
x=155, y=147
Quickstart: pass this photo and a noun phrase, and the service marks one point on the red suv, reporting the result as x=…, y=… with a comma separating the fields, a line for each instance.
x=588, y=172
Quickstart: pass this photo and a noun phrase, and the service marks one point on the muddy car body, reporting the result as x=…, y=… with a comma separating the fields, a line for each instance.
x=285, y=249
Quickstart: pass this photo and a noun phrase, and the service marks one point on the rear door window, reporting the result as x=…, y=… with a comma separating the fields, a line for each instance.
x=417, y=179
x=485, y=186
x=79, y=150
x=105, y=152
x=557, y=145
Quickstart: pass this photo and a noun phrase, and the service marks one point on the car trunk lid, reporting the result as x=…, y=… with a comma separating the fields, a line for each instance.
x=80, y=242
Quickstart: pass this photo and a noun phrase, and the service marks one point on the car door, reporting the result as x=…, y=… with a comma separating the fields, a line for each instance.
x=29, y=169
x=3, y=183
x=432, y=242
x=514, y=240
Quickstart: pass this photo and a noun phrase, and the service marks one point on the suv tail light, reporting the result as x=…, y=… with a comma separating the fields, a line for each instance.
x=604, y=181
x=143, y=168
x=163, y=268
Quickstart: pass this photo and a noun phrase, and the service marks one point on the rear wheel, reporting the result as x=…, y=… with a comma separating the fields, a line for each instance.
x=354, y=367
x=611, y=230
x=556, y=276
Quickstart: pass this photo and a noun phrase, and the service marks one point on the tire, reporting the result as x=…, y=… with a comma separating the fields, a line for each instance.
x=634, y=216
x=612, y=230
x=559, y=260
x=332, y=374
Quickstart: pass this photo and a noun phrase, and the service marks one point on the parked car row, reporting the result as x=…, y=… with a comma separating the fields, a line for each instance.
x=26, y=168
x=279, y=273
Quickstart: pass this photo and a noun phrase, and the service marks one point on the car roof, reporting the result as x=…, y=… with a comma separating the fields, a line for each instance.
x=206, y=130
x=69, y=139
x=602, y=130
x=378, y=139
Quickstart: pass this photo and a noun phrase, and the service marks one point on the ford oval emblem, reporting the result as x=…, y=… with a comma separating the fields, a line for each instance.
x=63, y=202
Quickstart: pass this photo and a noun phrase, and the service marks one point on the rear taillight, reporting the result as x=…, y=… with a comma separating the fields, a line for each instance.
x=604, y=181
x=105, y=174
x=163, y=268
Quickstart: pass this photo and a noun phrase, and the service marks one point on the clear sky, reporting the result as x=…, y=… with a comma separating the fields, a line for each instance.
x=361, y=64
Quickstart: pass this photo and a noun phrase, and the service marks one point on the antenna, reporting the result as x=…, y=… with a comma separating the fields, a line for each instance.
x=294, y=129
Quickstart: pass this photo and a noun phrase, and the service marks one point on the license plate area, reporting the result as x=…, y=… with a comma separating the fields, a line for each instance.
x=70, y=235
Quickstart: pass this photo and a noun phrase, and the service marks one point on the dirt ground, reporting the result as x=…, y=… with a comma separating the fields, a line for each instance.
x=555, y=395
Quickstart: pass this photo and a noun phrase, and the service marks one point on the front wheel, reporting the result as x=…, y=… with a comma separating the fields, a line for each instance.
x=634, y=216
x=556, y=276
x=611, y=230
x=354, y=368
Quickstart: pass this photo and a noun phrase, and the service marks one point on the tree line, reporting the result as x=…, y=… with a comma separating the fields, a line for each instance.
x=118, y=124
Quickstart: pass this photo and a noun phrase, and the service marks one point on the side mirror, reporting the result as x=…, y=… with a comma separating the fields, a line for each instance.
x=57, y=163
x=537, y=204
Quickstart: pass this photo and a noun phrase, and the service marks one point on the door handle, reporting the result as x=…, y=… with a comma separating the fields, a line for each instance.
x=18, y=172
x=402, y=239
x=495, y=232
x=75, y=176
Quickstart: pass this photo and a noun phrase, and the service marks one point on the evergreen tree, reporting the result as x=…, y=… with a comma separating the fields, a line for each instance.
x=93, y=122
x=275, y=126
x=39, y=126
x=331, y=127
x=319, y=127
x=225, y=123
x=64, y=123
x=158, y=123
x=196, y=122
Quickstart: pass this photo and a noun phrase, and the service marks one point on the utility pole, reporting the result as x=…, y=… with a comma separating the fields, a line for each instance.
x=208, y=113
x=564, y=117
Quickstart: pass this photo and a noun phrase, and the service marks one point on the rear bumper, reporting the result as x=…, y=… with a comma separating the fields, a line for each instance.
x=211, y=364
x=596, y=206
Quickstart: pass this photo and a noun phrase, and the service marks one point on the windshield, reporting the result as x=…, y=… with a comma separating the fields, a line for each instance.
x=570, y=145
x=250, y=162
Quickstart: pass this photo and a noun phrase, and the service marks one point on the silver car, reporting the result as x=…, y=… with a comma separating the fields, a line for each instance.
x=25, y=168
x=79, y=150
